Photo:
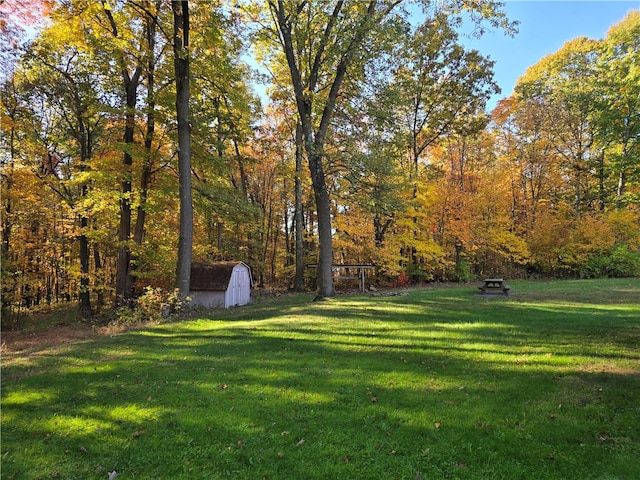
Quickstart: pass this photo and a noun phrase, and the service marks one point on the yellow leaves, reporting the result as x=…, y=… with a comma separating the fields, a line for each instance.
x=507, y=244
x=429, y=249
x=6, y=121
x=624, y=225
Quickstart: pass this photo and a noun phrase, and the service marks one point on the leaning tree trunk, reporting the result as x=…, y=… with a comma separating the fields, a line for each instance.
x=181, y=65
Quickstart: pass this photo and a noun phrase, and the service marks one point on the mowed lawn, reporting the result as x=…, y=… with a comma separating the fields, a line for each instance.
x=438, y=383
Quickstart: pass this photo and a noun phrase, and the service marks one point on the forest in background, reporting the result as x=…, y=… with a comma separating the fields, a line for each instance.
x=419, y=180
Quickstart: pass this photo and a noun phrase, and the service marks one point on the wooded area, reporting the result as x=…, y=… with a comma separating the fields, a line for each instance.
x=371, y=146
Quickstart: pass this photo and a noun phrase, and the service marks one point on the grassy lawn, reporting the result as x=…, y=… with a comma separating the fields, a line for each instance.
x=440, y=383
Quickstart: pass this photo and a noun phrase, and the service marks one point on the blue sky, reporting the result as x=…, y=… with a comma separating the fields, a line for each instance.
x=544, y=27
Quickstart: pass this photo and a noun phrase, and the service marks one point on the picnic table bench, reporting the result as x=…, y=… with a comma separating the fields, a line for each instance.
x=494, y=284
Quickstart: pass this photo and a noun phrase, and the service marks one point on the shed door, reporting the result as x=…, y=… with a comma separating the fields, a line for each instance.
x=240, y=286
x=236, y=288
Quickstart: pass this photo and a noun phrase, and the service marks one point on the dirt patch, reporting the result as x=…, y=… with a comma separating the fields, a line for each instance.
x=17, y=343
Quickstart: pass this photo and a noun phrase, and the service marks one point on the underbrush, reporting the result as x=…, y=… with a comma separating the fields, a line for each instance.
x=154, y=304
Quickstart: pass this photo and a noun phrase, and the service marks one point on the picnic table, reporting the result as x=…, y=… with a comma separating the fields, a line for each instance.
x=494, y=284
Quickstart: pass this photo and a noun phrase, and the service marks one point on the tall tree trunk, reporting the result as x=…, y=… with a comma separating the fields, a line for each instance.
x=323, y=208
x=97, y=264
x=85, y=298
x=299, y=220
x=622, y=183
x=83, y=241
x=602, y=193
x=10, y=105
x=124, y=280
x=181, y=66
x=147, y=167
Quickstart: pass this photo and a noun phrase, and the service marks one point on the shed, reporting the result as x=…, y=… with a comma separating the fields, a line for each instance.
x=220, y=284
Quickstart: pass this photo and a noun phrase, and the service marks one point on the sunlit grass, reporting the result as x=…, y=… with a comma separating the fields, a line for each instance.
x=440, y=383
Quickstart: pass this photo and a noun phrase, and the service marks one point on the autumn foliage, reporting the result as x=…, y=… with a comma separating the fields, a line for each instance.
x=546, y=185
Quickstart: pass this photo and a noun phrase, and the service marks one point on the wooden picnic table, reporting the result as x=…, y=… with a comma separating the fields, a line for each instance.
x=494, y=284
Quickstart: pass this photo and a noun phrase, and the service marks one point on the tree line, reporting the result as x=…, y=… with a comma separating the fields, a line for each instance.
x=371, y=145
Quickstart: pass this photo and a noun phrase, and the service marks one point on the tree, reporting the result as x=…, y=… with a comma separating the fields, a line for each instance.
x=323, y=45
x=154, y=53
x=130, y=70
x=63, y=73
x=525, y=149
x=182, y=70
x=618, y=115
x=562, y=86
x=311, y=64
x=439, y=87
x=134, y=53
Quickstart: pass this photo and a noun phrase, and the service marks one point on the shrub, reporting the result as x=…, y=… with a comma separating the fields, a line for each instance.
x=623, y=262
x=463, y=272
x=403, y=280
x=619, y=262
x=153, y=305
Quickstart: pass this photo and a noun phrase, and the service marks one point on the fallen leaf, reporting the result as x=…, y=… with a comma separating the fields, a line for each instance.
x=437, y=425
x=374, y=399
x=346, y=459
x=461, y=464
x=223, y=386
x=137, y=433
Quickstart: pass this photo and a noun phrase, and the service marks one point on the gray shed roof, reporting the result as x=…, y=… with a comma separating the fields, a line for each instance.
x=212, y=276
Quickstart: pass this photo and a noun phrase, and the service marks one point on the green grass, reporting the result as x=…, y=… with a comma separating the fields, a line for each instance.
x=440, y=383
